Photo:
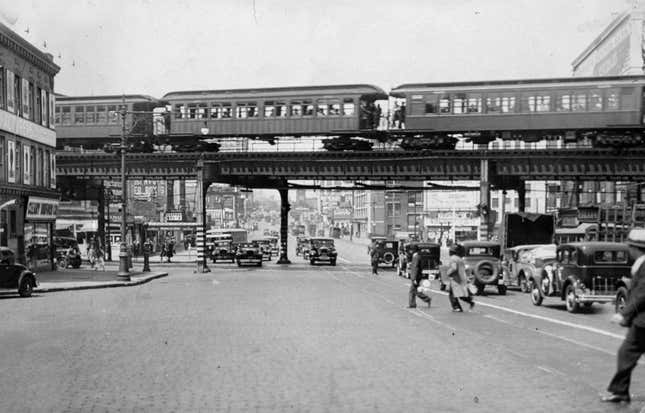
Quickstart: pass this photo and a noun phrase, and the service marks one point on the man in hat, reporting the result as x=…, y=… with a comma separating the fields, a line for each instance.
x=632, y=316
x=416, y=275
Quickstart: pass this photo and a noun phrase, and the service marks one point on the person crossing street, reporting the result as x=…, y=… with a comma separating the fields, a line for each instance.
x=416, y=275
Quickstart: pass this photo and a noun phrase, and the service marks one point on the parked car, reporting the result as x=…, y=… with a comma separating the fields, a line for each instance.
x=483, y=264
x=373, y=241
x=524, y=261
x=622, y=293
x=388, y=252
x=16, y=276
x=223, y=250
x=248, y=253
x=68, y=254
x=430, y=259
x=265, y=248
x=7, y=256
x=275, y=244
x=322, y=250
x=584, y=273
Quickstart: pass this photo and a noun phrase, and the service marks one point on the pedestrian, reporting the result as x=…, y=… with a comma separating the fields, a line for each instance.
x=416, y=275
x=162, y=253
x=98, y=260
x=375, y=254
x=457, y=281
x=170, y=250
x=632, y=316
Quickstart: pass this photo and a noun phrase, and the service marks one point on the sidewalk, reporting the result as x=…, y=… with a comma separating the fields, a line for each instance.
x=85, y=278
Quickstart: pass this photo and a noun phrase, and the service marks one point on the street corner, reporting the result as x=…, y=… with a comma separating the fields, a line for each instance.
x=62, y=285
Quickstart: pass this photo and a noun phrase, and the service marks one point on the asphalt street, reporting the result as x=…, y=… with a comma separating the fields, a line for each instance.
x=302, y=338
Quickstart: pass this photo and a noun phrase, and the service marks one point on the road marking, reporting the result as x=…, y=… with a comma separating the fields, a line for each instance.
x=547, y=319
x=344, y=260
x=551, y=371
x=576, y=342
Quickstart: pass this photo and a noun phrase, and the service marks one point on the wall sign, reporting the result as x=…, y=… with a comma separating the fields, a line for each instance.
x=41, y=208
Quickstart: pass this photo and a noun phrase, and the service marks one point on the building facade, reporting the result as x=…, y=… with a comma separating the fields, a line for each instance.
x=28, y=196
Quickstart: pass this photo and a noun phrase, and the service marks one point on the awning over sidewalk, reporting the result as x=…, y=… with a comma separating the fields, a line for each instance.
x=82, y=225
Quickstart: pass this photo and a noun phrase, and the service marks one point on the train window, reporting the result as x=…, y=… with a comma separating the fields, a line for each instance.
x=247, y=110
x=112, y=114
x=196, y=110
x=563, y=102
x=627, y=98
x=281, y=110
x=227, y=111
x=269, y=109
x=444, y=104
x=90, y=114
x=307, y=107
x=296, y=108
x=595, y=100
x=474, y=104
x=323, y=110
x=537, y=103
x=57, y=118
x=101, y=114
x=493, y=104
x=459, y=103
x=66, y=115
x=333, y=109
x=79, y=115
x=579, y=102
x=612, y=99
x=348, y=107
x=508, y=104
x=180, y=111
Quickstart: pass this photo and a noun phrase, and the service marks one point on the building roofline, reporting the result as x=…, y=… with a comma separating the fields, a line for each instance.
x=28, y=51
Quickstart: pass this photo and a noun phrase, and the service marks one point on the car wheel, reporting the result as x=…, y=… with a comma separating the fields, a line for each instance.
x=536, y=294
x=621, y=299
x=524, y=285
x=333, y=262
x=501, y=289
x=312, y=262
x=26, y=287
x=570, y=299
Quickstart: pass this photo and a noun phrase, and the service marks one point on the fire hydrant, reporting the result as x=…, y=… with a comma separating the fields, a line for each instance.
x=147, y=250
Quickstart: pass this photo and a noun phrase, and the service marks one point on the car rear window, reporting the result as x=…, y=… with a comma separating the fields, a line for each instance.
x=481, y=251
x=610, y=257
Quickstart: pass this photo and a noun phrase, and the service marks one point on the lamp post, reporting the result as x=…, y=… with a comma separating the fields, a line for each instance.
x=123, y=273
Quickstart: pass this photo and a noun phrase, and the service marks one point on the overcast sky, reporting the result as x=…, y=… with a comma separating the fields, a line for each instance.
x=154, y=47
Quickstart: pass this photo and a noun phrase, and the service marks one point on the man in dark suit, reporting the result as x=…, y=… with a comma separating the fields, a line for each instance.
x=416, y=274
x=632, y=316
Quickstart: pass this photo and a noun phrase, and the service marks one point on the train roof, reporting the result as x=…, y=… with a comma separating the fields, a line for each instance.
x=400, y=91
x=104, y=98
x=362, y=89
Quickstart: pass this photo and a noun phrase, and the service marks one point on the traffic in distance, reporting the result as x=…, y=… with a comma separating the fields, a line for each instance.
x=592, y=111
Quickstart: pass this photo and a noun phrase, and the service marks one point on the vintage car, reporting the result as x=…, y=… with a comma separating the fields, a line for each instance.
x=265, y=248
x=17, y=277
x=523, y=261
x=301, y=241
x=223, y=250
x=622, y=293
x=322, y=250
x=388, y=252
x=373, y=242
x=584, y=273
x=68, y=254
x=430, y=257
x=483, y=264
x=248, y=253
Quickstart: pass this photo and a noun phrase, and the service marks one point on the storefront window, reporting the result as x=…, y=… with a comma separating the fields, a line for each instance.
x=37, y=247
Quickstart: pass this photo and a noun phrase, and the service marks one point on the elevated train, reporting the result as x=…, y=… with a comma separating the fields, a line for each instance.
x=605, y=111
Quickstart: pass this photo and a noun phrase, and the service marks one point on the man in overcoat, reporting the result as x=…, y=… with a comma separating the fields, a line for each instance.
x=632, y=316
x=416, y=274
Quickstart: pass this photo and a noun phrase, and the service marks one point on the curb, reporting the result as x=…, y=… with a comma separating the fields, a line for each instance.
x=109, y=284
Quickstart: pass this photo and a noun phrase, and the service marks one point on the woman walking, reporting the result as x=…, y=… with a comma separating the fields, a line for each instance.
x=458, y=284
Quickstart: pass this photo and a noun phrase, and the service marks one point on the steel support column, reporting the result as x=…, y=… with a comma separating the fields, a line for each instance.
x=484, y=200
x=284, y=225
x=201, y=189
x=521, y=196
x=101, y=220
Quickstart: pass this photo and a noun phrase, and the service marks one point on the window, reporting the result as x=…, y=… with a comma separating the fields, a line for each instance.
x=38, y=106
x=508, y=104
x=17, y=94
x=307, y=107
x=281, y=109
x=246, y=110
x=459, y=103
x=536, y=103
x=393, y=209
x=26, y=164
x=296, y=108
x=112, y=116
x=323, y=110
x=2, y=94
x=90, y=114
x=39, y=167
x=10, y=91
x=333, y=109
x=610, y=257
x=494, y=203
x=51, y=99
x=627, y=100
x=79, y=115
x=563, y=102
x=227, y=111
x=66, y=116
x=595, y=100
x=527, y=202
x=348, y=107
x=493, y=104
x=613, y=101
x=196, y=110
x=474, y=104
x=444, y=104
x=46, y=168
x=31, y=107
x=579, y=102
x=43, y=108
x=269, y=109
x=101, y=114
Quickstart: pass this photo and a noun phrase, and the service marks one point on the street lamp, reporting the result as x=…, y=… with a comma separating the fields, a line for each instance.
x=123, y=273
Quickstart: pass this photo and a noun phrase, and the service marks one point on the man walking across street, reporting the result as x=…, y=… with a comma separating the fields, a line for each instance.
x=632, y=316
x=416, y=273
x=457, y=285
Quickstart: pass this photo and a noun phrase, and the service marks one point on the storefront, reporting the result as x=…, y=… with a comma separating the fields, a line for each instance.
x=39, y=227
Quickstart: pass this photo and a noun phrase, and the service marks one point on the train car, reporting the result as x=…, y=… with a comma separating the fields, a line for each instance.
x=606, y=110
x=94, y=121
x=270, y=112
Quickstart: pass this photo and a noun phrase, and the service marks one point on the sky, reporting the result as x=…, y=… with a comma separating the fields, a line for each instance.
x=155, y=47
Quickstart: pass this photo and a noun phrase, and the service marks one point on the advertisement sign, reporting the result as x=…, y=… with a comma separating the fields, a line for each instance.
x=26, y=152
x=11, y=161
x=174, y=217
x=41, y=208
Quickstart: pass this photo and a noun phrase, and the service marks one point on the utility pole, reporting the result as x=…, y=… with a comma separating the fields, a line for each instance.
x=123, y=273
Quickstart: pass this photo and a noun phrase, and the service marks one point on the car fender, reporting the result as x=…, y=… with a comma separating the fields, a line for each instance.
x=26, y=273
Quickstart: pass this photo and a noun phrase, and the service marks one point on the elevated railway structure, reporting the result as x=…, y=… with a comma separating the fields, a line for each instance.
x=496, y=169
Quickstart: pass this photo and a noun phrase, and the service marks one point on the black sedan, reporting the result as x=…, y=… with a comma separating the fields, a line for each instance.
x=248, y=253
x=17, y=277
